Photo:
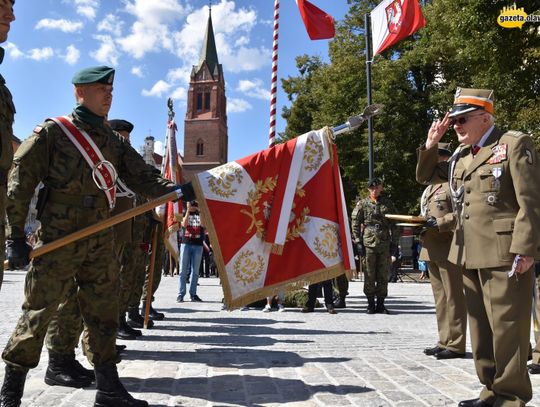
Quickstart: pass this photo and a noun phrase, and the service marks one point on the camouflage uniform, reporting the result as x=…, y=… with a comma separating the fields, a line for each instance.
x=138, y=259
x=379, y=236
x=158, y=265
x=74, y=202
x=7, y=113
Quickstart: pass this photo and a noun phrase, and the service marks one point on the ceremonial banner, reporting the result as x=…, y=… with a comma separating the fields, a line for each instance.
x=173, y=210
x=319, y=24
x=277, y=218
x=394, y=20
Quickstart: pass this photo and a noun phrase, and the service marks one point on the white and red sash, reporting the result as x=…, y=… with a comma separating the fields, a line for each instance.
x=103, y=171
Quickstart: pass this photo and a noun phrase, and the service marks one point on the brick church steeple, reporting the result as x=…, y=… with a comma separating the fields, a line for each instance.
x=205, y=126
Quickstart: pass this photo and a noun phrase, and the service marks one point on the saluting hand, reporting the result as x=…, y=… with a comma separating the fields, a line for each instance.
x=437, y=130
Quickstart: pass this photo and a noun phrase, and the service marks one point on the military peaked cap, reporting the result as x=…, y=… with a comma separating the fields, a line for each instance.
x=444, y=149
x=121, y=125
x=468, y=100
x=95, y=74
x=373, y=182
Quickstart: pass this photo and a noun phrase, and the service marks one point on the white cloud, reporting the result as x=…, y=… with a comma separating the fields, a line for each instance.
x=112, y=24
x=86, y=8
x=243, y=58
x=158, y=90
x=181, y=75
x=179, y=94
x=107, y=53
x=13, y=51
x=40, y=54
x=235, y=105
x=63, y=25
x=72, y=55
x=137, y=71
x=150, y=32
x=254, y=88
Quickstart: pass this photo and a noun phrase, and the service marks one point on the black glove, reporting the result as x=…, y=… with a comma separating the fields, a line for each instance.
x=17, y=253
x=431, y=223
x=188, y=194
x=361, y=250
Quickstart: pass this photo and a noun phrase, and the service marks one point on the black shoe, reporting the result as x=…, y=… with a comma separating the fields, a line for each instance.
x=136, y=320
x=120, y=348
x=82, y=371
x=449, y=354
x=180, y=298
x=340, y=302
x=306, y=309
x=13, y=387
x=155, y=315
x=473, y=403
x=534, y=368
x=371, y=305
x=433, y=351
x=61, y=371
x=110, y=390
x=381, y=309
x=330, y=309
x=196, y=298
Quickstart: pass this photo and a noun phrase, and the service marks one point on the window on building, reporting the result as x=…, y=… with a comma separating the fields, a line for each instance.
x=200, y=147
x=206, y=100
x=199, y=101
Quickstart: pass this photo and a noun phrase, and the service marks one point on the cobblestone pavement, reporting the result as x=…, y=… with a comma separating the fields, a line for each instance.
x=202, y=356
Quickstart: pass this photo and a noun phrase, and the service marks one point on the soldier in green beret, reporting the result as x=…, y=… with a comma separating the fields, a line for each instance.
x=494, y=180
x=7, y=113
x=377, y=239
x=80, y=160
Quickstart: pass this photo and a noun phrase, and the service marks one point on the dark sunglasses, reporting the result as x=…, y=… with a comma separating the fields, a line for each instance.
x=463, y=119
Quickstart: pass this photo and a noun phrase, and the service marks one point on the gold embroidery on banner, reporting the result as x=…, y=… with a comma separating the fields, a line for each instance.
x=248, y=267
x=313, y=154
x=328, y=247
x=298, y=225
x=221, y=183
x=254, y=196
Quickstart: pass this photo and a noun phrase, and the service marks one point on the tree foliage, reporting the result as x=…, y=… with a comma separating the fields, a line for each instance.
x=461, y=45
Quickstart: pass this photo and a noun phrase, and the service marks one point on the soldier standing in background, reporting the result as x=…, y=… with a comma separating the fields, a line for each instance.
x=495, y=184
x=7, y=114
x=446, y=278
x=75, y=200
x=377, y=239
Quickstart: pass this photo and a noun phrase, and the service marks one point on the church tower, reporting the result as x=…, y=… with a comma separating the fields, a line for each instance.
x=205, y=126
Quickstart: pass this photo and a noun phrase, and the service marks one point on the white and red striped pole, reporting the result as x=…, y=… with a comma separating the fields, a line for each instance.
x=273, y=85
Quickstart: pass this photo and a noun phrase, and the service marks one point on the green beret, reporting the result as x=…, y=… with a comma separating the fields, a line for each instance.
x=121, y=125
x=95, y=74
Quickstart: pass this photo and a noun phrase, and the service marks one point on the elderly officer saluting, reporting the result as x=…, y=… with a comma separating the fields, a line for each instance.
x=494, y=178
x=78, y=158
x=7, y=113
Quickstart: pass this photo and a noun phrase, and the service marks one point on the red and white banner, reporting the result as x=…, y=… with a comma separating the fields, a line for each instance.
x=277, y=218
x=394, y=20
x=319, y=24
x=173, y=210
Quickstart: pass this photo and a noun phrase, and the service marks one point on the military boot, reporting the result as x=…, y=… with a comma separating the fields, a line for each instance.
x=136, y=320
x=371, y=305
x=110, y=390
x=13, y=387
x=155, y=315
x=339, y=302
x=381, y=309
x=61, y=371
x=124, y=330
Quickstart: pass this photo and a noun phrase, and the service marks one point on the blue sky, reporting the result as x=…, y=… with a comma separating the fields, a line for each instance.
x=153, y=45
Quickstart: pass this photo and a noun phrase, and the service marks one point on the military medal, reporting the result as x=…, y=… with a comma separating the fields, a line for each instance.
x=497, y=172
x=499, y=154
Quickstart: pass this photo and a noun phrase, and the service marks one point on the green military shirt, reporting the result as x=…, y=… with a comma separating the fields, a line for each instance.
x=7, y=114
x=49, y=156
x=369, y=224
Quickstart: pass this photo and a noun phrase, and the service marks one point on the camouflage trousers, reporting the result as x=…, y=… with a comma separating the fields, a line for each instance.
x=81, y=270
x=378, y=264
x=2, y=231
x=157, y=268
x=134, y=271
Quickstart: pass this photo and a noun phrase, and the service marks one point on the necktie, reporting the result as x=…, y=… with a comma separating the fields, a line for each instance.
x=475, y=149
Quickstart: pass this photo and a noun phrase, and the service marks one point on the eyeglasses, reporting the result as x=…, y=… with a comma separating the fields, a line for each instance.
x=463, y=119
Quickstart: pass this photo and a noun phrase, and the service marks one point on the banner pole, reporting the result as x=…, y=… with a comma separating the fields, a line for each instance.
x=273, y=84
x=367, y=35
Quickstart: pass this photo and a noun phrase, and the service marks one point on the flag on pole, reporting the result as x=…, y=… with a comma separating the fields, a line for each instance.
x=277, y=219
x=172, y=210
x=394, y=20
x=319, y=24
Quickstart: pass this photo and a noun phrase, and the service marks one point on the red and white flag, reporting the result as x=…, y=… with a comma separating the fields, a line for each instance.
x=319, y=24
x=173, y=210
x=394, y=20
x=277, y=218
